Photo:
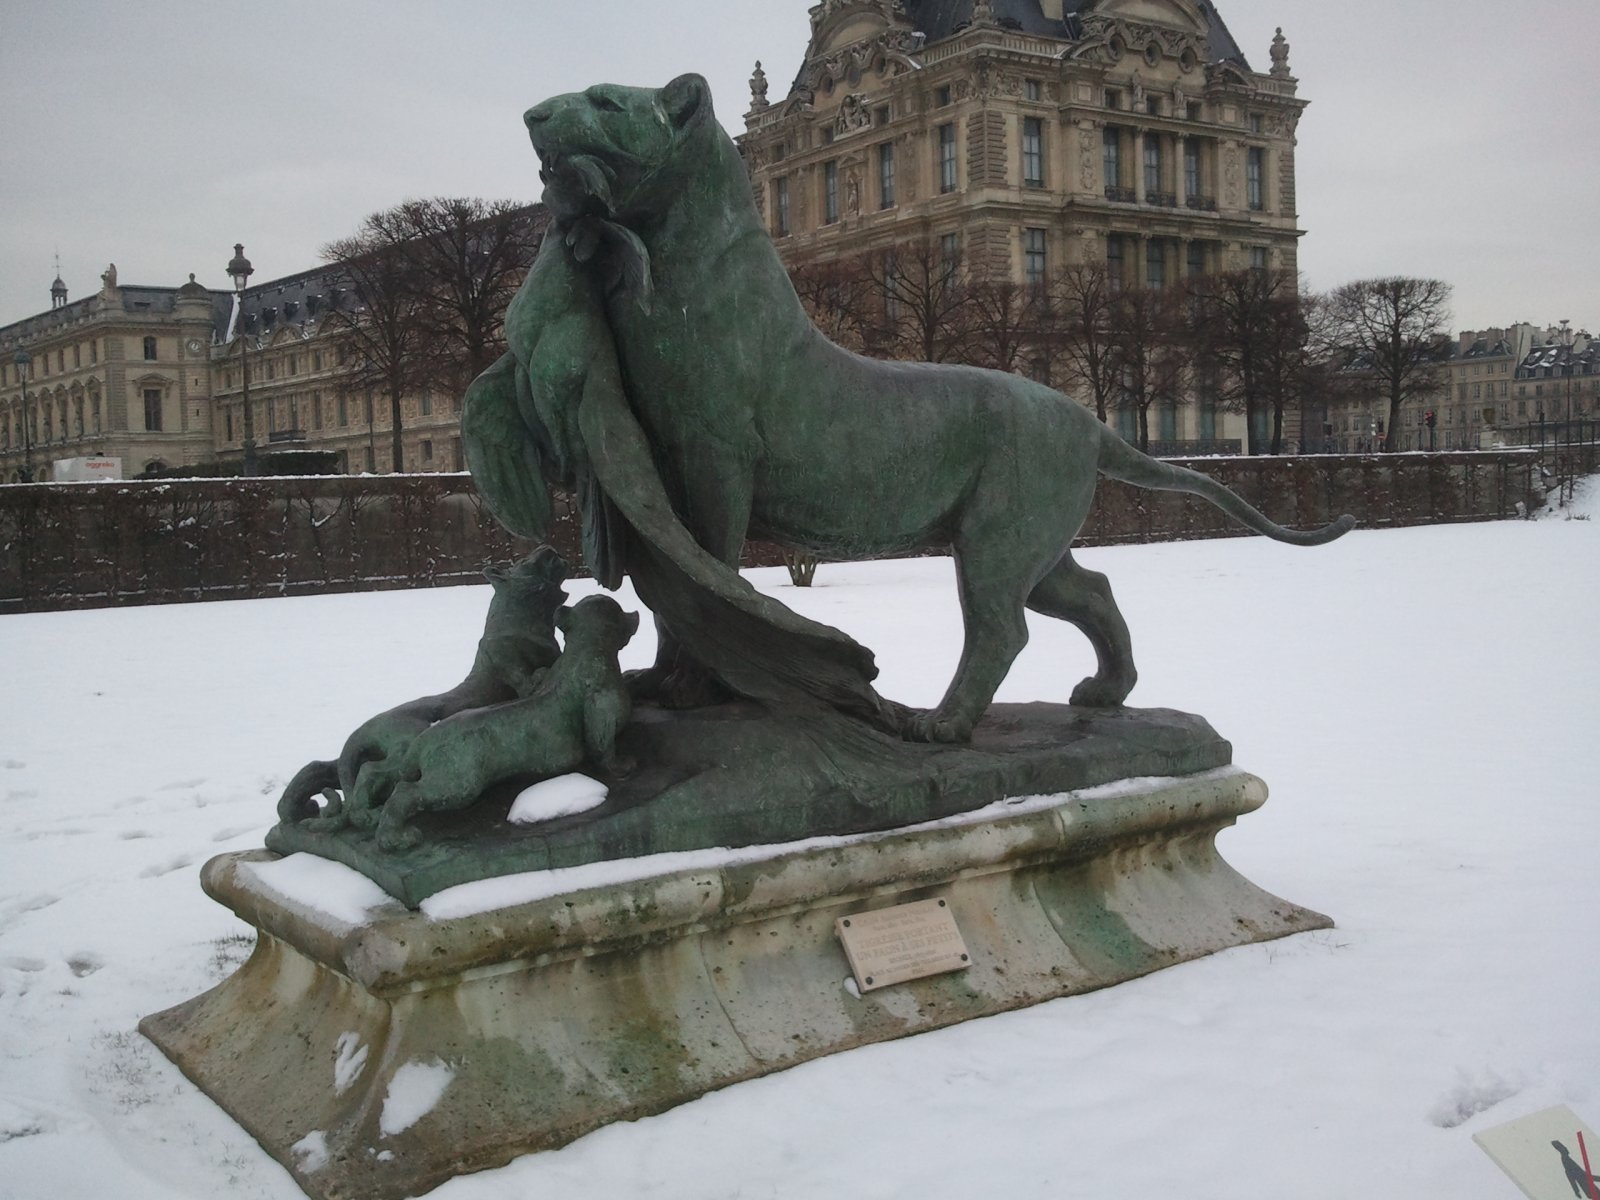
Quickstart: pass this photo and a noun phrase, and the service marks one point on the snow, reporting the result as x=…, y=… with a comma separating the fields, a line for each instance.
x=413, y=1091
x=1421, y=701
x=311, y=1151
x=350, y=1059
x=564, y=796
x=323, y=888
x=487, y=895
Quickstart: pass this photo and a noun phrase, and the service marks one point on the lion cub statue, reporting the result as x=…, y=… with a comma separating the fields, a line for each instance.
x=569, y=720
x=517, y=646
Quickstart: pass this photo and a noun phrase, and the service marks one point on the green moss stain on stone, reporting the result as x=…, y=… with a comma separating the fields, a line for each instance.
x=1077, y=903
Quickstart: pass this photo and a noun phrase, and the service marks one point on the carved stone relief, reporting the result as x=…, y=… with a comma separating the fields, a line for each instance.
x=1086, y=154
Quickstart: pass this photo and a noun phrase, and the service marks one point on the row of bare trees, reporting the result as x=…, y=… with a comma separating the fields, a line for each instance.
x=426, y=285
x=1250, y=340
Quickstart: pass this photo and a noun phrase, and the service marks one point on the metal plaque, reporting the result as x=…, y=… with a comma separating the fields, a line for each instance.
x=894, y=945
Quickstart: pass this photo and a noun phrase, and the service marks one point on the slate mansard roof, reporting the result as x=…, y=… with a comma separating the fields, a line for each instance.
x=939, y=19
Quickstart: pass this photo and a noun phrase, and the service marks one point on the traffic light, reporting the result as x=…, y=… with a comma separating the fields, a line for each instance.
x=1430, y=418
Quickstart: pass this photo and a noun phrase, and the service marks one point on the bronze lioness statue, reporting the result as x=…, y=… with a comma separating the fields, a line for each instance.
x=659, y=310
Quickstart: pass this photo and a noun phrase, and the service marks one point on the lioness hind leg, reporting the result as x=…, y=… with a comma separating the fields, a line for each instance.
x=1083, y=597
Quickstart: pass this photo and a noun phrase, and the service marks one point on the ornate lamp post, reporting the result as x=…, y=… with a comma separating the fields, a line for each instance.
x=241, y=270
x=1566, y=366
x=24, y=360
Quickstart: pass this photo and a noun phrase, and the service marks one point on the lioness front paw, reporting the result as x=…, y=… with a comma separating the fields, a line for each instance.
x=1095, y=692
x=393, y=836
x=934, y=726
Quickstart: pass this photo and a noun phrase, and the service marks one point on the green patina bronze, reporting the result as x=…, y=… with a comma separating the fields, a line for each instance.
x=662, y=369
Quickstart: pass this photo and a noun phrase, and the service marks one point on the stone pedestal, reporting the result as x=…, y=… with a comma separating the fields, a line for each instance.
x=378, y=1059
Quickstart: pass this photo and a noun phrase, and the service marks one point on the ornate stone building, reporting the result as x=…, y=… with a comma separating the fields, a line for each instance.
x=123, y=373
x=1025, y=135
x=302, y=392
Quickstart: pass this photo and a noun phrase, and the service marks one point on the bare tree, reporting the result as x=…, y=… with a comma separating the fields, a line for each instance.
x=841, y=300
x=924, y=299
x=471, y=256
x=425, y=288
x=1003, y=321
x=1233, y=317
x=1147, y=351
x=374, y=308
x=1294, y=373
x=1393, y=330
x=1082, y=327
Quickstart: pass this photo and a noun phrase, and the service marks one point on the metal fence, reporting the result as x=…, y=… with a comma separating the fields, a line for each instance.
x=94, y=545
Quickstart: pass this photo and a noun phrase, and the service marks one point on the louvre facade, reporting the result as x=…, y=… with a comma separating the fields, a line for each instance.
x=1028, y=135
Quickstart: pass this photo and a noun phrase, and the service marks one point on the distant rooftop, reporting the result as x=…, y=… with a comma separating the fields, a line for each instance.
x=939, y=19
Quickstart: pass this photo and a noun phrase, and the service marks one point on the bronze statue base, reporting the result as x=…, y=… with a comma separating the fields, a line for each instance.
x=379, y=1058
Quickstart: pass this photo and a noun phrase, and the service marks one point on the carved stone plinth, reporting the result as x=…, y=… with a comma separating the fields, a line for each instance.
x=380, y=1058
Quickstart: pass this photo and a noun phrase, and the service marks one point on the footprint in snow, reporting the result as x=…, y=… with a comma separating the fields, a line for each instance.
x=133, y=835
x=13, y=764
x=182, y=785
x=156, y=870
x=34, y=903
x=22, y=794
x=25, y=964
x=233, y=831
x=83, y=964
x=19, y=1122
x=1470, y=1097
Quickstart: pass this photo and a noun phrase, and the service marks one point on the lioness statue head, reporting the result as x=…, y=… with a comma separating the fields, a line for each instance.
x=614, y=152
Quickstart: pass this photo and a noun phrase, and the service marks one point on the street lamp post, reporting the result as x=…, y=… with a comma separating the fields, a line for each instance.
x=241, y=270
x=1566, y=366
x=23, y=361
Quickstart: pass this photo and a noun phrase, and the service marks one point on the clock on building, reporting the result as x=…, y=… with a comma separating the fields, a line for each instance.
x=194, y=345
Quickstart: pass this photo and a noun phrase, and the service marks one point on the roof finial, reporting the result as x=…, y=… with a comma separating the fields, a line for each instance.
x=1280, y=56
x=58, y=289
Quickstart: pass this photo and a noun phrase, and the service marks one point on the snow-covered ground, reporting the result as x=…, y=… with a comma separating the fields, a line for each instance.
x=1423, y=703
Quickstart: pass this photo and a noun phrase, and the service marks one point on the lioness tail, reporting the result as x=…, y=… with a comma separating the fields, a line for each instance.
x=1118, y=460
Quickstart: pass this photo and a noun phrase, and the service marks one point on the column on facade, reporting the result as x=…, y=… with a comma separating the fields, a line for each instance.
x=1137, y=135
x=1180, y=183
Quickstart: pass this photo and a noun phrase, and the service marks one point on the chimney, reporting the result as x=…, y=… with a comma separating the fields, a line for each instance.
x=1052, y=10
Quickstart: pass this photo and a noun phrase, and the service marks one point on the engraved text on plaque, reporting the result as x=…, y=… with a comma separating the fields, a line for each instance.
x=894, y=945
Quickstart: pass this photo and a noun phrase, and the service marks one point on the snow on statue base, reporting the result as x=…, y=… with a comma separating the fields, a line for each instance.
x=378, y=1055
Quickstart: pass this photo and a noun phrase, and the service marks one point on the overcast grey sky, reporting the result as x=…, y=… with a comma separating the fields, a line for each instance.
x=1448, y=138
